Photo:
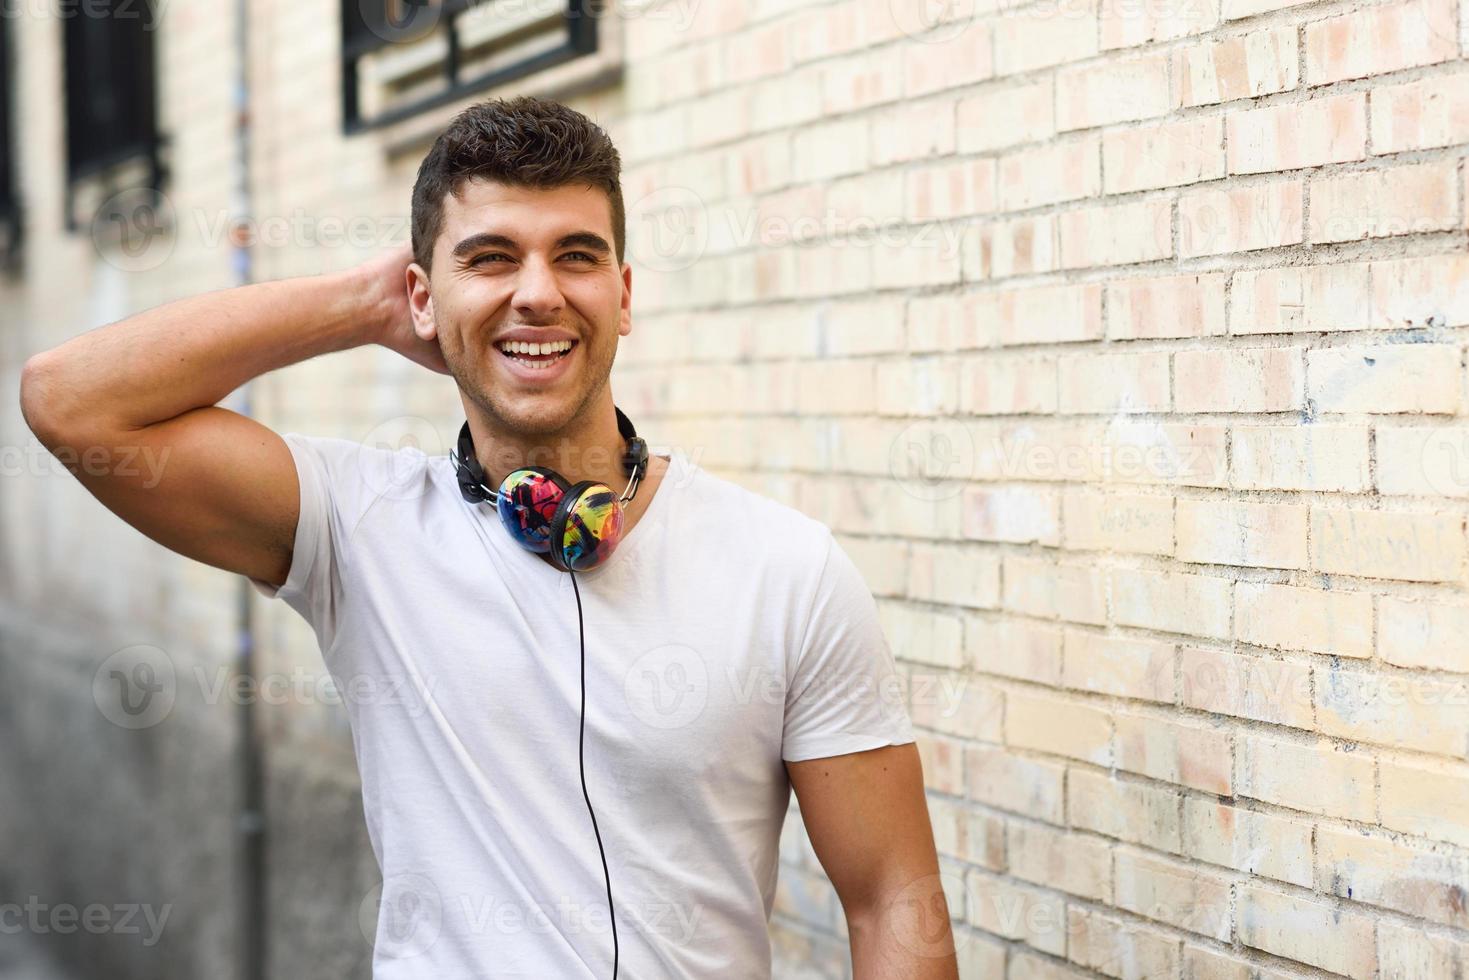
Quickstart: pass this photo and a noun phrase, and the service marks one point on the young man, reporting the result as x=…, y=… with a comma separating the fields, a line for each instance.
x=632, y=730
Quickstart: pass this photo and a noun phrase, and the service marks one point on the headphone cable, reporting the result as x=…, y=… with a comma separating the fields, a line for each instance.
x=581, y=630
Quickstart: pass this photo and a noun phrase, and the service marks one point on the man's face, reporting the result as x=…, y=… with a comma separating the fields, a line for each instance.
x=526, y=260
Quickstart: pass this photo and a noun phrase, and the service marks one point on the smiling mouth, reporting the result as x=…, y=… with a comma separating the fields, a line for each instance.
x=536, y=357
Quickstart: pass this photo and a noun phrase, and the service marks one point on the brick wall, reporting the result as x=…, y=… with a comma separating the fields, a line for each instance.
x=1120, y=341
x=1124, y=349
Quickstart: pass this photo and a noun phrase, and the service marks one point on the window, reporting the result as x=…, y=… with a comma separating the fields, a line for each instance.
x=402, y=57
x=110, y=101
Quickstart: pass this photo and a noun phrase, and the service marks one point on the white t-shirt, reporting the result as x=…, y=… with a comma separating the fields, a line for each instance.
x=727, y=632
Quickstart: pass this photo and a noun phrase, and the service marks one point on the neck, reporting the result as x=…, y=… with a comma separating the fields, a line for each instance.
x=590, y=447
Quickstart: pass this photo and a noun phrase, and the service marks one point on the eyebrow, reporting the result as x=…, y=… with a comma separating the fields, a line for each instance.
x=484, y=239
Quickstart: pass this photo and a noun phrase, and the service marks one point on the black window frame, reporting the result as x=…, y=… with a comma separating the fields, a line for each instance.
x=359, y=39
x=10, y=207
x=111, y=91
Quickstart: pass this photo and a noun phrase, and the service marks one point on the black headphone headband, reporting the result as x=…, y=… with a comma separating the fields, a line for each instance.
x=473, y=483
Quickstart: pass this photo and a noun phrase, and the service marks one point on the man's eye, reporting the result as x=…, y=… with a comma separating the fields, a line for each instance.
x=488, y=255
x=584, y=255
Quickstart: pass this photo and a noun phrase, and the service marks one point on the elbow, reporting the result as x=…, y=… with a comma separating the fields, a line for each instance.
x=39, y=394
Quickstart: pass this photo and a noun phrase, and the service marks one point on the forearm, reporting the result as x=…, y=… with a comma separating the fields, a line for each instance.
x=905, y=935
x=192, y=352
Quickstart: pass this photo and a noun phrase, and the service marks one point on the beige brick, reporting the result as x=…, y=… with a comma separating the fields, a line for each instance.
x=984, y=840
x=1235, y=532
x=1241, y=219
x=950, y=189
x=1377, y=40
x=1050, y=173
x=1044, y=314
x=1415, y=292
x=831, y=149
x=1310, y=298
x=1074, y=593
x=1209, y=964
x=1235, y=9
x=1423, y=461
x=1019, y=515
x=1108, y=383
x=1266, y=379
x=921, y=635
x=1126, y=666
x=1117, y=235
x=1174, y=752
x=1111, y=91
x=1298, y=134
x=1029, y=966
x=1316, y=777
x=962, y=58
x=1119, y=949
x=1056, y=859
x=996, y=117
x=1411, y=711
x=1419, y=378
x=1146, y=451
x=1003, y=907
x=1057, y=726
x=1411, y=879
x=952, y=703
x=953, y=574
x=1014, y=648
x=999, y=778
x=1314, y=932
x=1376, y=204
x=1197, y=605
x=1167, y=155
x=945, y=322
x=1305, y=457
x=1417, y=115
x=1006, y=386
x=1000, y=249
x=1132, y=811
x=1299, y=618
x=1127, y=522
x=1383, y=544
x=942, y=759
x=1034, y=37
x=1429, y=635
x=909, y=131
x=1168, y=306
x=1185, y=896
x=1430, y=800
x=917, y=386
x=1246, y=840
x=1247, y=686
x=1406, y=952
x=1260, y=62
x=1129, y=23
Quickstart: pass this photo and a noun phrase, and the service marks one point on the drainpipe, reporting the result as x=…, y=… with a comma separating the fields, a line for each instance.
x=251, y=817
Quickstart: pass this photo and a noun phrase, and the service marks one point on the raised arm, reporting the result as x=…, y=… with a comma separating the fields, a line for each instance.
x=129, y=408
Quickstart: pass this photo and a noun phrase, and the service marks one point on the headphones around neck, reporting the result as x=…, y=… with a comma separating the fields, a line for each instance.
x=578, y=525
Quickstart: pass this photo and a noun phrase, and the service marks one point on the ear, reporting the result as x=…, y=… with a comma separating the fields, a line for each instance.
x=421, y=302
x=624, y=327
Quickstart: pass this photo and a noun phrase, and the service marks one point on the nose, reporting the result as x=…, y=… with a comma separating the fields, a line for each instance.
x=537, y=293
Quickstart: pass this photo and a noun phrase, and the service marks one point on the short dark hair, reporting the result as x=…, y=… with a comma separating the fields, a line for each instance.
x=523, y=141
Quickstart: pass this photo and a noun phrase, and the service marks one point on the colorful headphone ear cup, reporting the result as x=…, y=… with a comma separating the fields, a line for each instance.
x=587, y=526
x=529, y=499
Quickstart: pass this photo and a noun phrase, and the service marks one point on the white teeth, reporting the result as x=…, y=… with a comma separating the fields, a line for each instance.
x=522, y=347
